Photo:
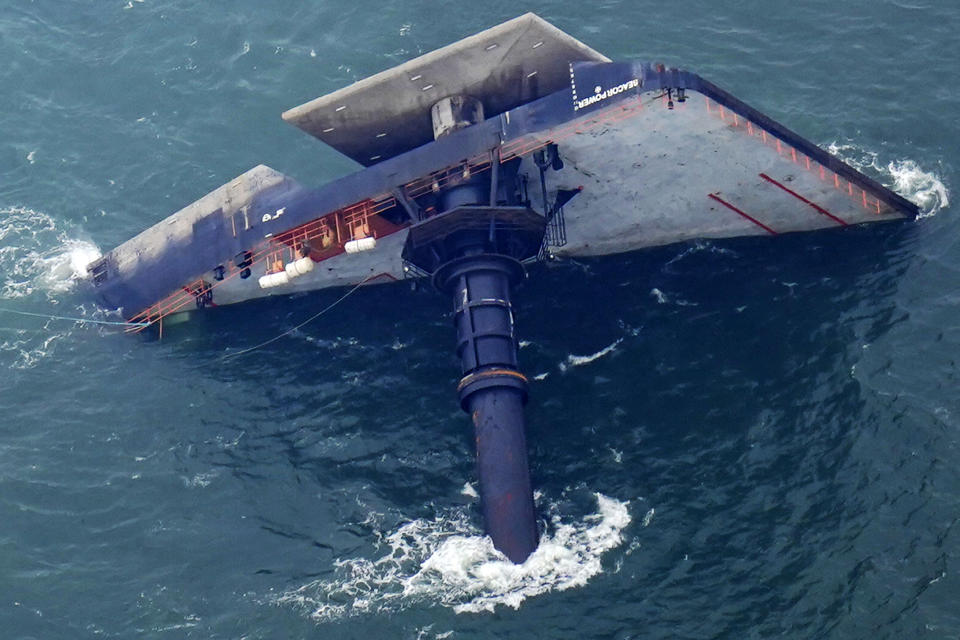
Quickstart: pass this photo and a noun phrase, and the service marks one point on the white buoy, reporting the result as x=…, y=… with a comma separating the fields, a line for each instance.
x=299, y=267
x=362, y=244
x=274, y=279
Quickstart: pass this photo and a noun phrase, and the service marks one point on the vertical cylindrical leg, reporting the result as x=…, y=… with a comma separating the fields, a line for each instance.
x=502, y=468
x=493, y=392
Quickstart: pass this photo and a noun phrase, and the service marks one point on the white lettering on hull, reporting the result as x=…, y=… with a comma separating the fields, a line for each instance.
x=600, y=94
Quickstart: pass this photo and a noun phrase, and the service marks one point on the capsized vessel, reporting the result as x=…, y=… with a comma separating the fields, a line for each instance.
x=512, y=145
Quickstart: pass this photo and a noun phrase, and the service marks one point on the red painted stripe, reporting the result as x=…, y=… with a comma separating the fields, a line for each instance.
x=742, y=213
x=802, y=199
x=382, y=274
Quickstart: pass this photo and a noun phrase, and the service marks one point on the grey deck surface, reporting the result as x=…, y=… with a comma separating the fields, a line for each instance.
x=648, y=179
x=386, y=114
x=224, y=207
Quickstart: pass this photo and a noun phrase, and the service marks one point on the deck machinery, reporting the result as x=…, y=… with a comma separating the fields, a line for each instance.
x=511, y=145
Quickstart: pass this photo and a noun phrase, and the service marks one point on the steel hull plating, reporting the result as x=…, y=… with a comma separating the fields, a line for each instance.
x=651, y=174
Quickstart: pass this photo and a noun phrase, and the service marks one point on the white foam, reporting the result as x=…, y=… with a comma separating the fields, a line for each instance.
x=27, y=348
x=38, y=255
x=648, y=518
x=662, y=298
x=67, y=264
x=423, y=634
x=447, y=561
x=699, y=246
x=923, y=188
x=578, y=361
x=200, y=480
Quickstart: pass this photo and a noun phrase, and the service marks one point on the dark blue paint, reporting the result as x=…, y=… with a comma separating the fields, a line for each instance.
x=493, y=392
x=183, y=263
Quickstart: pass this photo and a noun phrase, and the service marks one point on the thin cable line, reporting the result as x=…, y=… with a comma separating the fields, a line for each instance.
x=304, y=323
x=50, y=317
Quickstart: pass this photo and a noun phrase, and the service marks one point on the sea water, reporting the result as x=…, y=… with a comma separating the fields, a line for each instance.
x=731, y=439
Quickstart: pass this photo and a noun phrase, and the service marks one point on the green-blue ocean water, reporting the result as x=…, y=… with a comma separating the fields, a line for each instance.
x=738, y=439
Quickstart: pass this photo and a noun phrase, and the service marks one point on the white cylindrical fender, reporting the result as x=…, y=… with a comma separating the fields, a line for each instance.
x=362, y=244
x=274, y=280
x=304, y=265
x=298, y=267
